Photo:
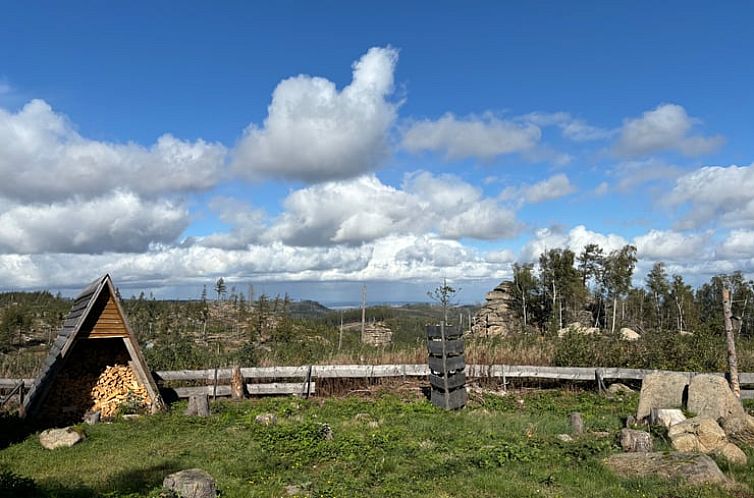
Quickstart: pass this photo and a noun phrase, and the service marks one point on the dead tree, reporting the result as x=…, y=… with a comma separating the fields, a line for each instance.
x=730, y=338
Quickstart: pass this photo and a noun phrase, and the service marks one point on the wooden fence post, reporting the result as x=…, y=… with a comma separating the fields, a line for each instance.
x=237, y=390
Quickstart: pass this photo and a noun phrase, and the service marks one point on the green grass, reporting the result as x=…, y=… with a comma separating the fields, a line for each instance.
x=382, y=446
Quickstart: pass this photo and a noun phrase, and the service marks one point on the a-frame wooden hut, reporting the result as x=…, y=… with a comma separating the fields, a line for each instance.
x=94, y=342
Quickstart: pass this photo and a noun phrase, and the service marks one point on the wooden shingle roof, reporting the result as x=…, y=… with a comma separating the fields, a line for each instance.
x=71, y=330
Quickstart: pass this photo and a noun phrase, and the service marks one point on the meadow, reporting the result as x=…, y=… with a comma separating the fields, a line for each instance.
x=386, y=441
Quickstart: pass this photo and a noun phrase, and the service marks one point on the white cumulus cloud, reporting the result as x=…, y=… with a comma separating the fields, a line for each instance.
x=117, y=222
x=43, y=159
x=668, y=245
x=484, y=137
x=548, y=189
x=713, y=193
x=313, y=132
x=575, y=239
x=365, y=209
x=667, y=127
x=738, y=244
x=552, y=188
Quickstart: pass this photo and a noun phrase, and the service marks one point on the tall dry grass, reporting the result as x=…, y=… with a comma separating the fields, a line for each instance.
x=21, y=364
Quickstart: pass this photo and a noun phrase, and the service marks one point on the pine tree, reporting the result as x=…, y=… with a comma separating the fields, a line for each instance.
x=524, y=286
x=220, y=288
x=618, y=270
x=657, y=283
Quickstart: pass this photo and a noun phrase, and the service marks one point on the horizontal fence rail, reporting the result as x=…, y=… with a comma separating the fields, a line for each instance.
x=312, y=372
x=421, y=370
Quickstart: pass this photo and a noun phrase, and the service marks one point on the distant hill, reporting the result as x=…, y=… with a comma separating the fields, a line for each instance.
x=307, y=309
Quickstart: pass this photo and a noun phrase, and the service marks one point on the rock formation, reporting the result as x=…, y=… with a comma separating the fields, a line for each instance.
x=497, y=317
x=377, y=334
x=661, y=390
x=694, y=469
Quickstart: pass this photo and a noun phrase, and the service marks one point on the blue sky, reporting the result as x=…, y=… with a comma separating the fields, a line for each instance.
x=315, y=146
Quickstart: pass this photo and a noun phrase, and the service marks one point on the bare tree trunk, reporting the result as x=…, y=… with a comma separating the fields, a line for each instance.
x=523, y=299
x=659, y=318
x=732, y=357
x=363, y=309
x=340, y=334
x=599, y=308
x=615, y=309
x=560, y=314
x=641, y=311
x=554, y=297
x=743, y=317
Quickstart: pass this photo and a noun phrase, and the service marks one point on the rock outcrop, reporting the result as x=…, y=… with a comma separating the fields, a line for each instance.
x=628, y=334
x=60, y=438
x=710, y=396
x=695, y=469
x=661, y=390
x=578, y=328
x=377, y=334
x=666, y=417
x=191, y=483
x=497, y=316
x=704, y=435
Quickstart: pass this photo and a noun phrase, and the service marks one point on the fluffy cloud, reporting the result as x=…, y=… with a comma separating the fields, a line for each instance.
x=428, y=258
x=407, y=257
x=716, y=193
x=483, y=137
x=552, y=188
x=348, y=211
x=313, y=132
x=667, y=127
x=671, y=246
x=117, y=222
x=364, y=209
x=575, y=240
x=182, y=265
x=738, y=244
x=44, y=159
x=484, y=220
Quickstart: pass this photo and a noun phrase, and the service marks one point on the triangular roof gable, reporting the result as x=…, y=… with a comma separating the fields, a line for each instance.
x=72, y=328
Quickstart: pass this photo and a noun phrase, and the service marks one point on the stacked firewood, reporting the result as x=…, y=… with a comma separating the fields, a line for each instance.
x=117, y=387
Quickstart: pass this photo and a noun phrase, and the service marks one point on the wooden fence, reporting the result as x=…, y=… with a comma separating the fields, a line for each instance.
x=217, y=380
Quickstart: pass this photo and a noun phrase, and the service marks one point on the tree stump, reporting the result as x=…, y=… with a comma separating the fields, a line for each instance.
x=237, y=390
x=577, y=424
x=198, y=406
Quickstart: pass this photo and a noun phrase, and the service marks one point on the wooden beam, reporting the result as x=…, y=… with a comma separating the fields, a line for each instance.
x=138, y=368
x=252, y=389
x=11, y=383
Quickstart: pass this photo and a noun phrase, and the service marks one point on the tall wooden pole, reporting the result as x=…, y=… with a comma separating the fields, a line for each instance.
x=363, y=309
x=340, y=335
x=730, y=338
